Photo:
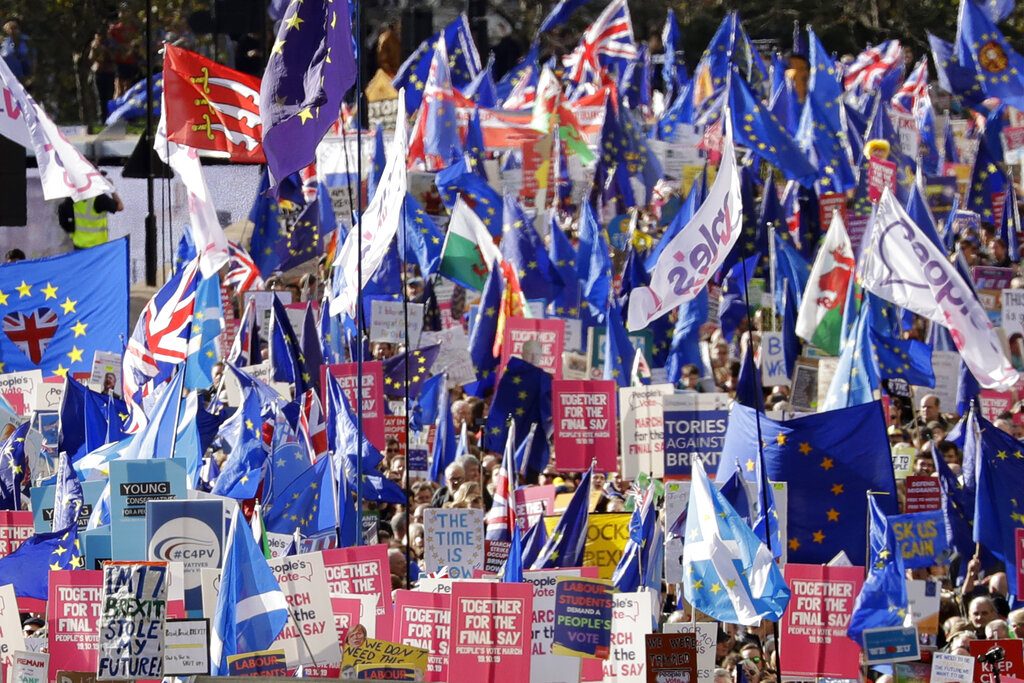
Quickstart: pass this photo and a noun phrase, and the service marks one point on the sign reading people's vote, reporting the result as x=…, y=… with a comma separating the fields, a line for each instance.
x=583, y=617
x=453, y=538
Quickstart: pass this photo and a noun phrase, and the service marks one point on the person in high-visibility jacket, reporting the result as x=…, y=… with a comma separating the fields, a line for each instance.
x=86, y=220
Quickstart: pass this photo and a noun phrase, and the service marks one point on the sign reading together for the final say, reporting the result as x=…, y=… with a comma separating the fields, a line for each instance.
x=586, y=428
x=539, y=341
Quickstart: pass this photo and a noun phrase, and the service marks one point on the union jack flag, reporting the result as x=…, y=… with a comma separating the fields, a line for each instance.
x=245, y=349
x=160, y=339
x=243, y=274
x=607, y=43
x=501, y=517
x=913, y=89
x=32, y=331
x=313, y=424
x=872, y=64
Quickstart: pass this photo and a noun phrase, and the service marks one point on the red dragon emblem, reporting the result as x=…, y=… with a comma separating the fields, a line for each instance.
x=833, y=283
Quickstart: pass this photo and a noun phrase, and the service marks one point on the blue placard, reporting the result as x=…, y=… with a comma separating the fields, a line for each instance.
x=921, y=538
x=897, y=644
x=187, y=531
x=96, y=546
x=42, y=504
x=695, y=427
x=133, y=483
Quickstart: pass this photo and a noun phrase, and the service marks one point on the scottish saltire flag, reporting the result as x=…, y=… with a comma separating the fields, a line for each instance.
x=829, y=460
x=207, y=325
x=251, y=610
x=981, y=47
x=606, y=44
x=997, y=510
x=57, y=312
x=500, y=520
x=564, y=547
x=131, y=105
x=890, y=266
x=13, y=468
x=728, y=573
x=463, y=62
x=67, y=496
x=311, y=67
x=156, y=439
x=883, y=597
x=28, y=568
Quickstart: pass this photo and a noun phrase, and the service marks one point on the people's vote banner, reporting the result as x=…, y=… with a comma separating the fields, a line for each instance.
x=15, y=528
x=671, y=657
x=423, y=620
x=814, y=641
x=539, y=341
x=695, y=427
x=190, y=532
x=631, y=622
x=545, y=665
x=490, y=632
x=73, y=619
x=586, y=428
x=133, y=483
x=131, y=644
x=361, y=570
x=583, y=617
x=642, y=431
x=373, y=400
x=11, y=636
x=453, y=538
x=310, y=637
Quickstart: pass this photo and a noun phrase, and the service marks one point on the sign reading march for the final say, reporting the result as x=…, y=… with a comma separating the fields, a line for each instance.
x=132, y=620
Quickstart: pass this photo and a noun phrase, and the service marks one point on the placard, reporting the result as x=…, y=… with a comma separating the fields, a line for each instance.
x=994, y=403
x=131, y=644
x=888, y=645
x=803, y=392
x=373, y=395
x=453, y=538
x=491, y=631
x=642, y=437
x=671, y=657
x=388, y=322
x=903, y=460
x=361, y=570
x=881, y=175
x=923, y=607
x=585, y=423
x=190, y=532
x=631, y=622
x=829, y=203
x=453, y=356
x=423, y=620
x=261, y=663
x=12, y=638
x=29, y=667
x=773, y=360
x=539, y=342
x=532, y=503
x=921, y=538
x=583, y=617
x=73, y=619
x=545, y=666
x=133, y=483
x=187, y=647
x=923, y=494
x=106, y=373
x=694, y=428
x=310, y=636
x=1011, y=666
x=21, y=389
x=641, y=340
x=951, y=668
x=383, y=660
x=15, y=528
x=705, y=636
x=1012, y=301
x=42, y=504
x=354, y=610
x=814, y=641
x=992, y=277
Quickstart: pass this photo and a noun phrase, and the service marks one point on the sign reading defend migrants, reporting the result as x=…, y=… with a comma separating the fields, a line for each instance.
x=132, y=620
x=694, y=428
x=585, y=425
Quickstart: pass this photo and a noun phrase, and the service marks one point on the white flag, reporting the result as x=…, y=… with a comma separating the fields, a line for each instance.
x=697, y=252
x=378, y=224
x=900, y=264
x=63, y=171
x=203, y=224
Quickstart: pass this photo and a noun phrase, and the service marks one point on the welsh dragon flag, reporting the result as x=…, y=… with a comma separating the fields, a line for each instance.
x=468, y=250
x=820, y=320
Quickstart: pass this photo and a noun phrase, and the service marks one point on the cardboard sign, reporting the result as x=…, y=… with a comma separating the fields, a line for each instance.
x=903, y=460
x=186, y=647
x=803, y=392
x=950, y=668
x=881, y=175
x=642, y=437
x=586, y=427
x=388, y=322
x=829, y=203
x=453, y=538
x=814, y=640
x=106, y=373
x=423, y=620
x=694, y=428
x=131, y=644
x=310, y=636
x=1012, y=301
x=453, y=357
x=261, y=663
x=1012, y=664
x=671, y=657
x=133, y=483
x=532, y=503
x=607, y=534
x=384, y=660
x=537, y=341
x=545, y=665
x=923, y=607
x=361, y=570
x=73, y=619
x=705, y=636
x=15, y=527
x=888, y=645
x=773, y=360
x=12, y=638
x=190, y=532
x=921, y=538
x=354, y=610
x=29, y=667
x=372, y=394
x=631, y=622
x=923, y=494
x=642, y=340
x=491, y=631
x=21, y=390
x=583, y=617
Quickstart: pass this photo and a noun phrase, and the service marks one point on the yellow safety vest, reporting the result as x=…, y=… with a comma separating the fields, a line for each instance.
x=90, y=225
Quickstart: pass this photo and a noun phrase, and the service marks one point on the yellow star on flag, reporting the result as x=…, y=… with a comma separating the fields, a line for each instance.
x=49, y=291
x=68, y=305
x=24, y=290
x=79, y=328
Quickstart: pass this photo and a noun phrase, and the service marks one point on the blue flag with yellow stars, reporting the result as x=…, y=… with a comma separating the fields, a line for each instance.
x=907, y=359
x=463, y=62
x=131, y=105
x=24, y=568
x=311, y=67
x=285, y=239
x=883, y=597
x=300, y=505
x=999, y=501
x=524, y=249
x=420, y=239
x=987, y=182
x=242, y=471
x=479, y=196
x=413, y=368
x=564, y=547
x=952, y=76
x=981, y=47
x=12, y=468
x=58, y=311
x=830, y=460
x=524, y=396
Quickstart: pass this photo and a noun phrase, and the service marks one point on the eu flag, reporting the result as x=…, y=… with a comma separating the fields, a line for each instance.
x=131, y=105
x=420, y=239
x=25, y=568
x=301, y=504
x=281, y=241
x=58, y=311
x=524, y=395
x=13, y=468
x=311, y=67
x=412, y=367
x=830, y=460
x=883, y=597
x=981, y=46
x=479, y=196
x=524, y=249
x=907, y=359
x=999, y=506
x=953, y=77
x=463, y=62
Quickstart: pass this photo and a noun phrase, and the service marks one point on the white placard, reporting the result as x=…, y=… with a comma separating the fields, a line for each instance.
x=309, y=637
x=387, y=322
x=773, y=360
x=631, y=622
x=707, y=633
x=642, y=429
x=1013, y=311
x=29, y=667
x=106, y=372
x=186, y=647
x=453, y=538
x=546, y=667
x=12, y=639
x=29, y=384
x=453, y=356
x=950, y=668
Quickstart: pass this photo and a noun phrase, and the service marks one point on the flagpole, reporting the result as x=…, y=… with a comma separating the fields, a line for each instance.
x=150, y=221
x=444, y=397
x=359, y=273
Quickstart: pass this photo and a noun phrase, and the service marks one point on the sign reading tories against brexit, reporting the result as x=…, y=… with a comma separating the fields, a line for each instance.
x=694, y=428
x=490, y=631
x=585, y=425
x=132, y=620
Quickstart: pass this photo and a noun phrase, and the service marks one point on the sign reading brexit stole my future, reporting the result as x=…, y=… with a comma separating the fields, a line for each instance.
x=133, y=483
x=132, y=620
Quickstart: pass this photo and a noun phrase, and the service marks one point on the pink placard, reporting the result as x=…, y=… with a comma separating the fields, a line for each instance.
x=539, y=341
x=15, y=528
x=994, y=403
x=347, y=613
x=373, y=395
x=73, y=619
x=586, y=427
x=814, y=641
x=491, y=632
x=531, y=504
x=881, y=174
x=424, y=620
x=361, y=570
x=1018, y=543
